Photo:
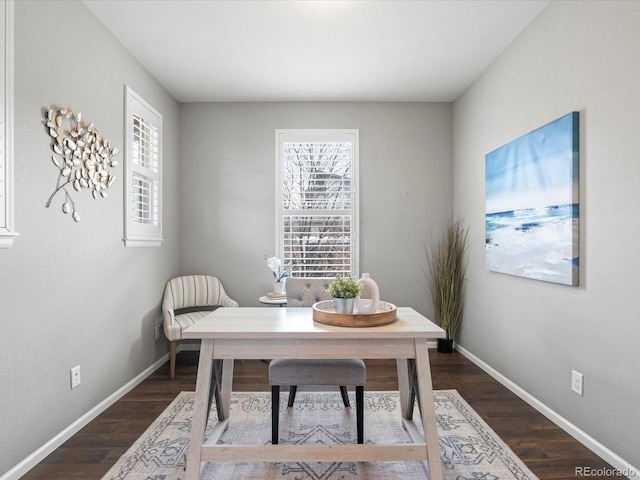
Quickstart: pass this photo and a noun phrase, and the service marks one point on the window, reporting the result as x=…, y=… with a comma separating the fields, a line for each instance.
x=143, y=168
x=317, y=202
x=7, y=235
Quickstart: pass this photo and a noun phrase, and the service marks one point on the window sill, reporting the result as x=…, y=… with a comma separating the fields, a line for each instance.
x=142, y=242
x=7, y=238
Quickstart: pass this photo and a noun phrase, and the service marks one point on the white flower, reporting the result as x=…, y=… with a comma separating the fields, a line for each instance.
x=277, y=268
x=274, y=263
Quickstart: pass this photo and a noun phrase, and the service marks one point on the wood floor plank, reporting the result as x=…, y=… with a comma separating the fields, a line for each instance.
x=545, y=448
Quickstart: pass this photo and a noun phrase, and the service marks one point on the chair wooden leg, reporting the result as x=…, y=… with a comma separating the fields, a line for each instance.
x=214, y=390
x=172, y=360
x=414, y=394
x=292, y=395
x=360, y=413
x=275, y=413
x=345, y=396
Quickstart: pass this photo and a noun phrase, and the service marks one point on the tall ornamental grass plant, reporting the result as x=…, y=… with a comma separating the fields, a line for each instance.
x=447, y=266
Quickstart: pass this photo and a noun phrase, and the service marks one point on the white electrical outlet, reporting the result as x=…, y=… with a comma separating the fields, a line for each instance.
x=75, y=376
x=576, y=382
x=158, y=331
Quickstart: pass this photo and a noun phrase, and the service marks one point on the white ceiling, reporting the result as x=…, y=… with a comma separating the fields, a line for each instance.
x=296, y=50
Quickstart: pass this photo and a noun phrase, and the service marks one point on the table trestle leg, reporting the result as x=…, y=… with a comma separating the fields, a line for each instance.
x=427, y=408
x=202, y=402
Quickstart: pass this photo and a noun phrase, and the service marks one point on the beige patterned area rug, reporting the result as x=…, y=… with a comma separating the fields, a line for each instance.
x=469, y=449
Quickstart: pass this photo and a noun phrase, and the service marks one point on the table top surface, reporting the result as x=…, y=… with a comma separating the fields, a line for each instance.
x=292, y=323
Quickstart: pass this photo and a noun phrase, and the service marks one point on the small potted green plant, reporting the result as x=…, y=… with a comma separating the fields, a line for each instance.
x=344, y=292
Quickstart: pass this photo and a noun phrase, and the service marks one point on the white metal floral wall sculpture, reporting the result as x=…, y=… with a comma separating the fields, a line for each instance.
x=82, y=156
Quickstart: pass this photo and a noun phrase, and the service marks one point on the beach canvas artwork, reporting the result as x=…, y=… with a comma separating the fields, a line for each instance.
x=532, y=204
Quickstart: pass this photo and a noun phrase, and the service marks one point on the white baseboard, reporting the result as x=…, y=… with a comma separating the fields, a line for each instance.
x=36, y=457
x=622, y=466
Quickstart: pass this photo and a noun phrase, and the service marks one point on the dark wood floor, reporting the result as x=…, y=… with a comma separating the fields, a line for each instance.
x=546, y=449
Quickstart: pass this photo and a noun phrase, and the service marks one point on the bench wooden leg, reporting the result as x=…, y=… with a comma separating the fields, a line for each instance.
x=360, y=413
x=345, y=396
x=292, y=395
x=275, y=413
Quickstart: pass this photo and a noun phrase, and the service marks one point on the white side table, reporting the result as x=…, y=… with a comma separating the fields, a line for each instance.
x=273, y=301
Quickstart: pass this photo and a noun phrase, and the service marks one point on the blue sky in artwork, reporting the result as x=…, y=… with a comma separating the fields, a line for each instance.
x=534, y=170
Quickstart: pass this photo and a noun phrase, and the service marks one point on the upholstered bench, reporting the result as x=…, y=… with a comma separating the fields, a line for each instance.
x=304, y=292
x=317, y=372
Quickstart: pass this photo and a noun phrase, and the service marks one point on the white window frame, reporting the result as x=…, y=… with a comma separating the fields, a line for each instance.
x=7, y=234
x=137, y=234
x=319, y=136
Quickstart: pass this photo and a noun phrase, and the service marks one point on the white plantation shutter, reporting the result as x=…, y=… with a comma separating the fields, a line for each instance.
x=7, y=235
x=317, y=201
x=143, y=167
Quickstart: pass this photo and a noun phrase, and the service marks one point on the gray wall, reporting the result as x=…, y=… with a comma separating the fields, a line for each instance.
x=580, y=56
x=227, y=199
x=71, y=293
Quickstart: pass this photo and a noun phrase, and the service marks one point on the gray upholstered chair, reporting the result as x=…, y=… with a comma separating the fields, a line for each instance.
x=186, y=300
x=304, y=292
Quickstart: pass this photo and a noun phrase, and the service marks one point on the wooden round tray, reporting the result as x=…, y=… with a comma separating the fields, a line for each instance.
x=324, y=312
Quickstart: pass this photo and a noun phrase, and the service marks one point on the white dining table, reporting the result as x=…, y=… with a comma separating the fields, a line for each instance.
x=265, y=332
